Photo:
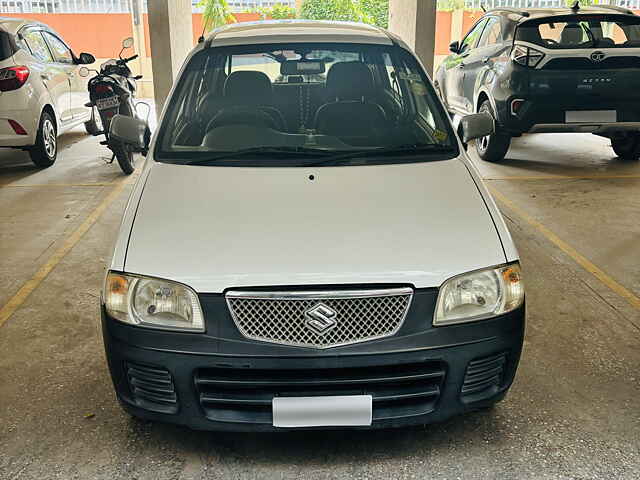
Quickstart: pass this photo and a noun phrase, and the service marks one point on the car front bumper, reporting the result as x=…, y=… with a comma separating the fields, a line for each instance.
x=210, y=383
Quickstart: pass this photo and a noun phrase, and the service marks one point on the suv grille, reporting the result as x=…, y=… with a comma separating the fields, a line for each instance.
x=239, y=395
x=319, y=319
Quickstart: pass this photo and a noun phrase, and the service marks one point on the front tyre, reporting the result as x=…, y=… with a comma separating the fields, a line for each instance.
x=124, y=155
x=627, y=147
x=45, y=150
x=494, y=147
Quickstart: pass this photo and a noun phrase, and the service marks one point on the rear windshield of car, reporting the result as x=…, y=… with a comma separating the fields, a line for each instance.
x=582, y=31
x=7, y=45
x=314, y=97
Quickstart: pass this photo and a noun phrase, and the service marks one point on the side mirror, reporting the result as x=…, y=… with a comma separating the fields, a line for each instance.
x=130, y=130
x=476, y=126
x=127, y=42
x=86, y=59
x=454, y=47
x=84, y=72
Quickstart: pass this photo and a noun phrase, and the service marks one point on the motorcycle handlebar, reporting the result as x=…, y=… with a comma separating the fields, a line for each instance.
x=127, y=60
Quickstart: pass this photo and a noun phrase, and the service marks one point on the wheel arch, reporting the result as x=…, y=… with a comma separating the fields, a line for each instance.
x=49, y=109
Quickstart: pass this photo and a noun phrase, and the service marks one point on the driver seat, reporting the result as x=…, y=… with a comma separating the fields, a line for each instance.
x=351, y=112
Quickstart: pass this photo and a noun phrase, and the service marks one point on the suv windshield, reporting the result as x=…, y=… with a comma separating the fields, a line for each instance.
x=295, y=104
x=582, y=31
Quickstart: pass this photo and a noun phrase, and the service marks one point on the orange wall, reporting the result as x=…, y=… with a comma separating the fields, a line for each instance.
x=443, y=32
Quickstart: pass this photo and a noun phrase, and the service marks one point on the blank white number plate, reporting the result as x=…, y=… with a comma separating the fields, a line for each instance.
x=338, y=411
x=591, y=116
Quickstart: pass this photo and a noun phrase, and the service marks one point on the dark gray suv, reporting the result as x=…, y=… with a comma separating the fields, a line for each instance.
x=549, y=70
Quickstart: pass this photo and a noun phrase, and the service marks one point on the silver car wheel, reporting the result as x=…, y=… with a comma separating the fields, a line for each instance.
x=49, y=138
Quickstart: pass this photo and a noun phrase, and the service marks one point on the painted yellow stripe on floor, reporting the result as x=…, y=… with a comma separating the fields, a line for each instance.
x=569, y=250
x=563, y=177
x=21, y=296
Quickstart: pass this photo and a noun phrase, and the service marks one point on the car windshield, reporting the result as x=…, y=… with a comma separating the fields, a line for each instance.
x=582, y=31
x=271, y=104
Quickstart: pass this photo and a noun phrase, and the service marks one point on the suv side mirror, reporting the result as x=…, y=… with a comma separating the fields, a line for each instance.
x=454, y=47
x=476, y=126
x=131, y=131
x=86, y=59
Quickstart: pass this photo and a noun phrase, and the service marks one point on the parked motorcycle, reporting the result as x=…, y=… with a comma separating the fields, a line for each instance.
x=112, y=91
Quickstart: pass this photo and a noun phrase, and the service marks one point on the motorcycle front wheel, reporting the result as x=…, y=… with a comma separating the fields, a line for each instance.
x=124, y=155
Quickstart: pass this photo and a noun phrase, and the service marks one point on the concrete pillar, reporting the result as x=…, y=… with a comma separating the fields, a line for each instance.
x=142, y=65
x=171, y=32
x=415, y=22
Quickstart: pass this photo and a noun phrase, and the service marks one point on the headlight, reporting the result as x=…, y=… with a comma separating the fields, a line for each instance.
x=480, y=294
x=151, y=302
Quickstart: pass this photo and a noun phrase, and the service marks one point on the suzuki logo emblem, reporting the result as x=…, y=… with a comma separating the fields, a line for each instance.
x=597, y=56
x=320, y=319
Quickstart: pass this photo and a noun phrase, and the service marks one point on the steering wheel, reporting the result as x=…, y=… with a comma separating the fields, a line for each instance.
x=242, y=116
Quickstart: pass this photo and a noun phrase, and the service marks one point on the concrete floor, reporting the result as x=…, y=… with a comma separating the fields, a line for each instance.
x=573, y=412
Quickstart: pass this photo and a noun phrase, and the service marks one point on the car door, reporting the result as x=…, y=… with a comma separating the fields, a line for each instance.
x=64, y=60
x=54, y=78
x=478, y=63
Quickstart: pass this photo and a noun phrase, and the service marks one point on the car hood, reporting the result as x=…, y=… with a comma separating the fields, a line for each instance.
x=214, y=228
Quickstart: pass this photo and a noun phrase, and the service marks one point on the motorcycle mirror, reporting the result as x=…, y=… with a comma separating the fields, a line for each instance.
x=127, y=42
x=83, y=72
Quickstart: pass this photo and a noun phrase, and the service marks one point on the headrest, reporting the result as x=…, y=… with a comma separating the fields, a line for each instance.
x=349, y=81
x=251, y=87
x=572, y=34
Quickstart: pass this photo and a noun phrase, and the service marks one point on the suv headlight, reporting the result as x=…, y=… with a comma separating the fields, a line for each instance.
x=152, y=302
x=480, y=294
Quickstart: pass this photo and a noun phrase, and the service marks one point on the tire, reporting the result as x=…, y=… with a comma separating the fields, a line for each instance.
x=627, y=147
x=494, y=147
x=45, y=150
x=124, y=155
x=94, y=126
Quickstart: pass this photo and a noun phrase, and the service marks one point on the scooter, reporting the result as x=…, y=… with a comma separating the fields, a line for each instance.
x=111, y=92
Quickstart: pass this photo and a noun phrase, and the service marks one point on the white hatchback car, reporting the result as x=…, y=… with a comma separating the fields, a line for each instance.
x=308, y=245
x=41, y=93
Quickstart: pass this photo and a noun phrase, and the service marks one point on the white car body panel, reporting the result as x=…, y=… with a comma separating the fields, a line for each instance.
x=417, y=224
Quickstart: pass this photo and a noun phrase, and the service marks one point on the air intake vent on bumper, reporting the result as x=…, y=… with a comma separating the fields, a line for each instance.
x=483, y=378
x=152, y=388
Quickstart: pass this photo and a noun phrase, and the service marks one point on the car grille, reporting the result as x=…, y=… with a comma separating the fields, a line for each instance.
x=319, y=319
x=578, y=63
x=484, y=377
x=152, y=388
x=236, y=395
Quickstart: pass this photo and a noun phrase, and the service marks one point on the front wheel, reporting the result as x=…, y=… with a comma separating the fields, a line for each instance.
x=627, y=147
x=124, y=155
x=45, y=150
x=494, y=147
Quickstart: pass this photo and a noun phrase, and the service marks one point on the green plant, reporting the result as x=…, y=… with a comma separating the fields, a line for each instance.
x=344, y=10
x=277, y=12
x=216, y=13
x=449, y=5
x=377, y=11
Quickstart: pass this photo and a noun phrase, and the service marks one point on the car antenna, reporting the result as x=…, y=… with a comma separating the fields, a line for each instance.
x=204, y=29
x=576, y=6
x=484, y=10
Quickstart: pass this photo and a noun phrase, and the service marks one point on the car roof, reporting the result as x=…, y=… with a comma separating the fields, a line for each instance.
x=13, y=24
x=297, y=31
x=534, y=13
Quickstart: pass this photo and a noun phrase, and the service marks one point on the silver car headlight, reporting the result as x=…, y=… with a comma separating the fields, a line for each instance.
x=479, y=295
x=152, y=302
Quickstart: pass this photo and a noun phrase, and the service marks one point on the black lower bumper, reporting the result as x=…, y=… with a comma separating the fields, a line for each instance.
x=418, y=379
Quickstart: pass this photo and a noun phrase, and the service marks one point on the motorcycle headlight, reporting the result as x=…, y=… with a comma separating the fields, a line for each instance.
x=478, y=295
x=152, y=302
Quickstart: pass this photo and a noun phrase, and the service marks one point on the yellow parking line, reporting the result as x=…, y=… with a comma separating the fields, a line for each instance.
x=569, y=250
x=19, y=298
x=564, y=177
x=26, y=185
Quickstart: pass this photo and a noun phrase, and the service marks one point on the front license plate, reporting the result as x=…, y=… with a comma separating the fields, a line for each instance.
x=591, y=116
x=107, y=103
x=339, y=411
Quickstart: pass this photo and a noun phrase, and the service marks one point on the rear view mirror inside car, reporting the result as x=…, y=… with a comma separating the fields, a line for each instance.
x=302, y=67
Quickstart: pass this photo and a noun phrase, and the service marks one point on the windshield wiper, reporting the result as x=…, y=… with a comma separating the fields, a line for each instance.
x=299, y=151
x=395, y=151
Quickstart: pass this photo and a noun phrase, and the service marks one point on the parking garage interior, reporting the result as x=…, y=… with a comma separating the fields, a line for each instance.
x=572, y=208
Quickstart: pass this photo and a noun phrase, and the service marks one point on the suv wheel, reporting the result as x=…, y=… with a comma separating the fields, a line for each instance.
x=494, y=147
x=45, y=151
x=627, y=147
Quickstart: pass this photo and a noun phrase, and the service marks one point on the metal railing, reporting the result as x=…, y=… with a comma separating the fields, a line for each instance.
x=111, y=6
x=488, y=4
